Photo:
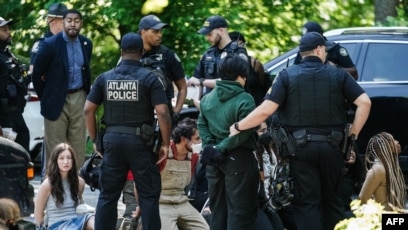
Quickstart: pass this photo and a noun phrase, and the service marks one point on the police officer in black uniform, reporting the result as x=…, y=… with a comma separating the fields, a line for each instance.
x=13, y=88
x=55, y=22
x=337, y=55
x=215, y=30
x=130, y=94
x=311, y=98
x=163, y=61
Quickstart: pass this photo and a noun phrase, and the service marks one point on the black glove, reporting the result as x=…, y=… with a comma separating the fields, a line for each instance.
x=212, y=156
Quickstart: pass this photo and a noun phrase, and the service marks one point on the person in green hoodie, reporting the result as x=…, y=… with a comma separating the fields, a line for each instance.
x=232, y=170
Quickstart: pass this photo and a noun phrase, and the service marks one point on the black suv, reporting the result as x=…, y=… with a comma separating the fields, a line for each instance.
x=380, y=55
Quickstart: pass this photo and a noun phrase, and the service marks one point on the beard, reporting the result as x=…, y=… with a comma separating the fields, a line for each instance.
x=217, y=40
x=5, y=43
x=72, y=32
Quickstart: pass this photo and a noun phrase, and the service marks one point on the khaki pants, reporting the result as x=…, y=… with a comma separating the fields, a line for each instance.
x=182, y=215
x=69, y=127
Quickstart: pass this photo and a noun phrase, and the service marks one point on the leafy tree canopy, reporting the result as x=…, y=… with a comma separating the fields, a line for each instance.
x=271, y=27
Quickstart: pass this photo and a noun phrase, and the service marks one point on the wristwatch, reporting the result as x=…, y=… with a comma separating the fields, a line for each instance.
x=202, y=82
x=236, y=127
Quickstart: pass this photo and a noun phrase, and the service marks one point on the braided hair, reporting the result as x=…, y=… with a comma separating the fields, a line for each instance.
x=382, y=147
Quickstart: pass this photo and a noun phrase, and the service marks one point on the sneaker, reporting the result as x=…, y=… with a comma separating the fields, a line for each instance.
x=84, y=208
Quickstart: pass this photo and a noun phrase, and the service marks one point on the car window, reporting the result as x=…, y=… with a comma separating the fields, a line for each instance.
x=383, y=62
x=282, y=65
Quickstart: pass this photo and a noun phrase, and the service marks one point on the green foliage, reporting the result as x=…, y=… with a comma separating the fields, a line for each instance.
x=271, y=27
x=401, y=20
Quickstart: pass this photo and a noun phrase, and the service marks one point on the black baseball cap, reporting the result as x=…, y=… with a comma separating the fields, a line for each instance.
x=131, y=42
x=3, y=22
x=151, y=22
x=211, y=23
x=57, y=10
x=312, y=27
x=311, y=40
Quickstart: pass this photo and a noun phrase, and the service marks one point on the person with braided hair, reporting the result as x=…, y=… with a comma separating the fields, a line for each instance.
x=384, y=180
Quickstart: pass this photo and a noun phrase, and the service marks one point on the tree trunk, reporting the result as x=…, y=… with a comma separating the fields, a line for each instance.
x=385, y=8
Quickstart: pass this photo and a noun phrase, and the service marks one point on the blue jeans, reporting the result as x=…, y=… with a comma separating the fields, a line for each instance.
x=123, y=152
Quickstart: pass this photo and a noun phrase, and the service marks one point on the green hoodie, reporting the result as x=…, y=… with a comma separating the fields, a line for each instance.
x=226, y=104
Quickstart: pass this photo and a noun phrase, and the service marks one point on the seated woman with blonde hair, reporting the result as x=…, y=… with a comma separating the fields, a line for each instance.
x=60, y=193
x=384, y=180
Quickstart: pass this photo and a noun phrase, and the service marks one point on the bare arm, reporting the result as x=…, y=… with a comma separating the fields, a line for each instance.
x=41, y=201
x=210, y=83
x=81, y=190
x=256, y=117
x=363, y=104
x=181, y=85
x=373, y=180
x=163, y=116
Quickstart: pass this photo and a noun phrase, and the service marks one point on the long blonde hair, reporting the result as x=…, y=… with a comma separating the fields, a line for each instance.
x=382, y=147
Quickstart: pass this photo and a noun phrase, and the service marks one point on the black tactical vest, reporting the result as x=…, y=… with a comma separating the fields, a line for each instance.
x=212, y=57
x=126, y=101
x=320, y=105
x=13, y=84
x=156, y=62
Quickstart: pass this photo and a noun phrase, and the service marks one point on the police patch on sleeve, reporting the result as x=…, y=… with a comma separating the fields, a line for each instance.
x=243, y=56
x=343, y=52
x=177, y=57
x=122, y=90
x=35, y=47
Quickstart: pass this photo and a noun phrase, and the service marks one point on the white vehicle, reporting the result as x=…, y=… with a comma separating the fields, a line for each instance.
x=35, y=123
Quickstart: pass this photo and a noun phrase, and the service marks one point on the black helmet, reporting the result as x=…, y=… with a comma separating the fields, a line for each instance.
x=57, y=10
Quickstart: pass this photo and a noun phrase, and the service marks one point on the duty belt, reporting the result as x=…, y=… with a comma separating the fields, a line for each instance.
x=318, y=137
x=123, y=129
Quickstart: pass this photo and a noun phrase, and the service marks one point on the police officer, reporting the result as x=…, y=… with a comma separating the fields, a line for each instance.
x=164, y=61
x=129, y=94
x=13, y=88
x=215, y=30
x=337, y=55
x=310, y=97
x=55, y=22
